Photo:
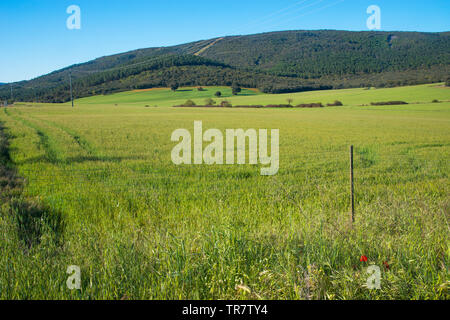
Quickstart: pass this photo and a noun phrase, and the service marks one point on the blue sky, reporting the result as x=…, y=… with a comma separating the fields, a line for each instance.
x=36, y=41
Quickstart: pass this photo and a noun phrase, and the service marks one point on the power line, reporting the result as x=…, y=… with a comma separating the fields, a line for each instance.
x=310, y=12
x=281, y=18
x=268, y=17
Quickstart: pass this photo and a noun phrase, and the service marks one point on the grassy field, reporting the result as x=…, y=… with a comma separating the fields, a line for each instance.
x=94, y=186
x=166, y=98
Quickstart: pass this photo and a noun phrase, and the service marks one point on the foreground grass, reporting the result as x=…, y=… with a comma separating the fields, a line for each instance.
x=102, y=193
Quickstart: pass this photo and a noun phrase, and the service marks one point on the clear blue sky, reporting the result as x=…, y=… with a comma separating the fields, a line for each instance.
x=36, y=41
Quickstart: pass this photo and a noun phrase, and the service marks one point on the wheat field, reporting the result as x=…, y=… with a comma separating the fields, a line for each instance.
x=94, y=186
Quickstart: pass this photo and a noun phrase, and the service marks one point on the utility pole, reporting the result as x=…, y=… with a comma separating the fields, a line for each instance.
x=71, y=93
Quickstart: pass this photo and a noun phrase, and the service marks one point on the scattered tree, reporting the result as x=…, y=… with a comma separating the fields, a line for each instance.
x=235, y=89
x=218, y=94
x=174, y=86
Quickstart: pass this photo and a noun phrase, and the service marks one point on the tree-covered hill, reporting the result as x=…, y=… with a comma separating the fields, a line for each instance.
x=160, y=71
x=273, y=62
x=314, y=54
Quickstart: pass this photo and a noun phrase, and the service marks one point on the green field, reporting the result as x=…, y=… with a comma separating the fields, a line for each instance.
x=94, y=186
x=166, y=98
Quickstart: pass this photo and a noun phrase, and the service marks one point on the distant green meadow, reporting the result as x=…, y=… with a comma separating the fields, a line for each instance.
x=166, y=97
x=94, y=186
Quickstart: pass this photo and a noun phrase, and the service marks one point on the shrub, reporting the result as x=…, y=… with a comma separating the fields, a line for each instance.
x=337, y=103
x=435, y=101
x=218, y=94
x=310, y=105
x=388, y=103
x=226, y=104
x=210, y=102
x=189, y=103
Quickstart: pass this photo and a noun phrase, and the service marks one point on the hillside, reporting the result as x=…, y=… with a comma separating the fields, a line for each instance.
x=273, y=62
x=313, y=54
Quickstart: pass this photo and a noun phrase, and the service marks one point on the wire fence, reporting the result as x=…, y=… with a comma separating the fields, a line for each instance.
x=301, y=168
x=319, y=169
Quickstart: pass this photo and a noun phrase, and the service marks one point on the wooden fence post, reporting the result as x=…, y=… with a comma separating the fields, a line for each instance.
x=352, y=185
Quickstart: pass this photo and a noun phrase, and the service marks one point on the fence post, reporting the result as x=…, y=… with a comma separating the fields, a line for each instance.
x=352, y=185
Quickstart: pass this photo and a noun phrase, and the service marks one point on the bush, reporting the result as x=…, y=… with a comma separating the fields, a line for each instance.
x=189, y=103
x=310, y=105
x=388, y=103
x=218, y=94
x=337, y=103
x=210, y=102
x=435, y=101
x=226, y=104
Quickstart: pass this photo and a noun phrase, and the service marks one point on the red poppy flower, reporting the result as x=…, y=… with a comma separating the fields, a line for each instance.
x=363, y=259
x=386, y=265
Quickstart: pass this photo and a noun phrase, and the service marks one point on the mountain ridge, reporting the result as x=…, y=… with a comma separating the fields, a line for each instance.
x=273, y=62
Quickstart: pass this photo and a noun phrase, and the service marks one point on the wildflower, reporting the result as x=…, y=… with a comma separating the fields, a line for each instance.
x=363, y=259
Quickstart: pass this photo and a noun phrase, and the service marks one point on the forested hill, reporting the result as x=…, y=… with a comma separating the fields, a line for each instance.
x=312, y=54
x=274, y=62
